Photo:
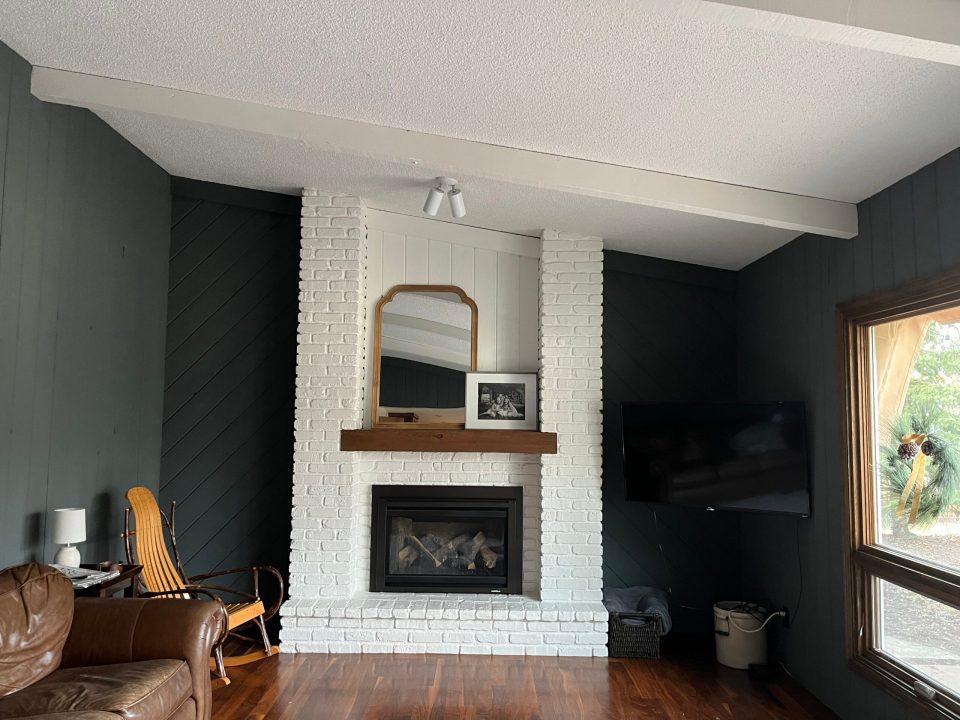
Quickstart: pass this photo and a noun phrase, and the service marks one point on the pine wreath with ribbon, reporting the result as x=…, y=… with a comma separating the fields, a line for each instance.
x=920, y=469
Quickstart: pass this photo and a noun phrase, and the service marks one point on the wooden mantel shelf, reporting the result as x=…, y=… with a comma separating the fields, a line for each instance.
x=410, y=440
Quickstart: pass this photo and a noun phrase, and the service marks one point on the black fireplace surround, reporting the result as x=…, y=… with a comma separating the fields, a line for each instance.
x=438, y=538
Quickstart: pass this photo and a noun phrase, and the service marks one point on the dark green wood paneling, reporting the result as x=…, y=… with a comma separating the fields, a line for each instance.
x=668, y=335
x=230, y=374
x=84, y=242
x=787, y=347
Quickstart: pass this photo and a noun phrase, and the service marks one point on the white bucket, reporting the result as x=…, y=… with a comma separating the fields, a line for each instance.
x=740, y=635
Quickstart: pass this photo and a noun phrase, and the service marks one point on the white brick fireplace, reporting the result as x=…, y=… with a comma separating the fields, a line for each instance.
x=330, y=607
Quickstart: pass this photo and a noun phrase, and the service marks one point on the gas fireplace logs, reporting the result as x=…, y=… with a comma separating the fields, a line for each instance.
x=461, y=552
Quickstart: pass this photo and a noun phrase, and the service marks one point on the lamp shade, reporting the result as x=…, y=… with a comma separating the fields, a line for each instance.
x=69, y=525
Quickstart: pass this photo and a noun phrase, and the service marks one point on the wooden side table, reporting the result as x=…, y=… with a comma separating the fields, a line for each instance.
x=126, y=582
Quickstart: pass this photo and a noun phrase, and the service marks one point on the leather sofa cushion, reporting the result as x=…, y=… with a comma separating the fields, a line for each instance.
x=36, y=610
x=145, y=690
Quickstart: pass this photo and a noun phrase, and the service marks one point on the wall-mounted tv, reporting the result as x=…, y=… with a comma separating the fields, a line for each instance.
x=719, y=456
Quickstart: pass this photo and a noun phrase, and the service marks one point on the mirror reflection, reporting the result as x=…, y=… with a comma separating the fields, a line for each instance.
x=426, y=349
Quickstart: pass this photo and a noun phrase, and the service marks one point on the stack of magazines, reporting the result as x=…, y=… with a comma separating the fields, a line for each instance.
x=84, y=578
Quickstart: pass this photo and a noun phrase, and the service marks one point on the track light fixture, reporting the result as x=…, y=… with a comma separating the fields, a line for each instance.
x=448, y=186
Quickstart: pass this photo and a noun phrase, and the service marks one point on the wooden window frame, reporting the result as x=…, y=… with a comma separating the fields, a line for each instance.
x=865, y=562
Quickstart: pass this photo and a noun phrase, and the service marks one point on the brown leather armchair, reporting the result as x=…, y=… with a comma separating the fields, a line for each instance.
x=130, y=658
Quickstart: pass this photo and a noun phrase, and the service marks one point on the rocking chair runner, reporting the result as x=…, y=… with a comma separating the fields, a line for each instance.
x=165, y=577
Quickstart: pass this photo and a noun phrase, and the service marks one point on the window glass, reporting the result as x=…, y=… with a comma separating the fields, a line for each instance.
x=916, y=409
x=921, y=633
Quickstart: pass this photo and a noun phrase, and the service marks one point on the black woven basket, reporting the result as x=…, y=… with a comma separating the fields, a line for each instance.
x=634, y=641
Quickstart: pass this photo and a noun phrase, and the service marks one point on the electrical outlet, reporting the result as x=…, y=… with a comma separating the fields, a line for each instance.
x=785, y=615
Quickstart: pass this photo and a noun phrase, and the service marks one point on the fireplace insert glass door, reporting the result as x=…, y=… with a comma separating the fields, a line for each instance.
x=446, y=539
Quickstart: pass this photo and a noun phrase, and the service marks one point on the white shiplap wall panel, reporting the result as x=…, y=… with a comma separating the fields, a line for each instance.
x=486, y=294
x=439, y=270
x=528, y=304
x=417, y=266
x=374, y=263
x=499, y=271
x=508, y=316
x=461, y=270
x=393, y=265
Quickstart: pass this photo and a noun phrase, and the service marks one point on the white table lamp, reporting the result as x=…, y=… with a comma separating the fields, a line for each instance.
x=69, y=527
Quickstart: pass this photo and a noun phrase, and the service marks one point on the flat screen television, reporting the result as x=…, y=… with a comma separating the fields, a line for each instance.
x=719, y=456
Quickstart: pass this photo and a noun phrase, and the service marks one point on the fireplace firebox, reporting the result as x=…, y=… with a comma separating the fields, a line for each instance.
x=438, y=538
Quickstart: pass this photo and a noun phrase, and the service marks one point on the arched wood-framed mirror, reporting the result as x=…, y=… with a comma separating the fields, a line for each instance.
x=424, y=343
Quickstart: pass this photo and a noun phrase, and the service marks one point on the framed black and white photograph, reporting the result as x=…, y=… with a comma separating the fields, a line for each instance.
x=501, y=401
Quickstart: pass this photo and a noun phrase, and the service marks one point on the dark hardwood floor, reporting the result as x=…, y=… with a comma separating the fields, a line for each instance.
x=685, y=685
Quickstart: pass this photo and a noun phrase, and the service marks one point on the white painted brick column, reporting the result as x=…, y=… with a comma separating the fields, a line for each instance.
x=329, y=396
x=331, y=608
x=571, y=405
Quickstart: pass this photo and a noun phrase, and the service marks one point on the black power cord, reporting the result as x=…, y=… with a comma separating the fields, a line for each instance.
x=796, y=608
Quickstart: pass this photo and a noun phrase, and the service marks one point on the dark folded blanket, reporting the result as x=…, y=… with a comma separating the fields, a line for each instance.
x=640, y=599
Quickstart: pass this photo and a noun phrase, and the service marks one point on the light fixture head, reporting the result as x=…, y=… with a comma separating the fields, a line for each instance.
x=457, y=208
x=432, y=205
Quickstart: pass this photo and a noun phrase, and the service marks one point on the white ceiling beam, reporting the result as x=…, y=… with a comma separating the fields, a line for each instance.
x=924, y=29
x=456, y=156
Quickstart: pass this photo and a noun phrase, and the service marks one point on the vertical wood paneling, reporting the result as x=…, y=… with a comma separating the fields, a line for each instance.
x=7, y=64
x=461, y=271
x=393, y=265
x=231, y=356
x=862, y=255
x=375, y=263
x=440, y=256
x=18, y=270
x=84, y=242
x=926, y=222
x=901, y=231
x=787, y=347
x=11, y=262
x=948, y=207
x=508, y=312
x=882, y=239
x=528, y=300
x=486, y=295
x=416, y=260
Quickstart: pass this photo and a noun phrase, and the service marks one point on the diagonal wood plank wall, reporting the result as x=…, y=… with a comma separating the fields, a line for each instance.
x=229, y=388
x=669, y=335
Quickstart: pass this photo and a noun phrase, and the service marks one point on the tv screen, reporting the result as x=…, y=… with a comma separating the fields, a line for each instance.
x=719, y=456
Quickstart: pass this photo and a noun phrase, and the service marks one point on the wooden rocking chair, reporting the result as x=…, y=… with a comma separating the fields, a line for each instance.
x=162, y=576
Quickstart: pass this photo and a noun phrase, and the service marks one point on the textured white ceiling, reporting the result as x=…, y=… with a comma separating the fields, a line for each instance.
x=618, y=81
x=609, y=81
x=259, y=161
